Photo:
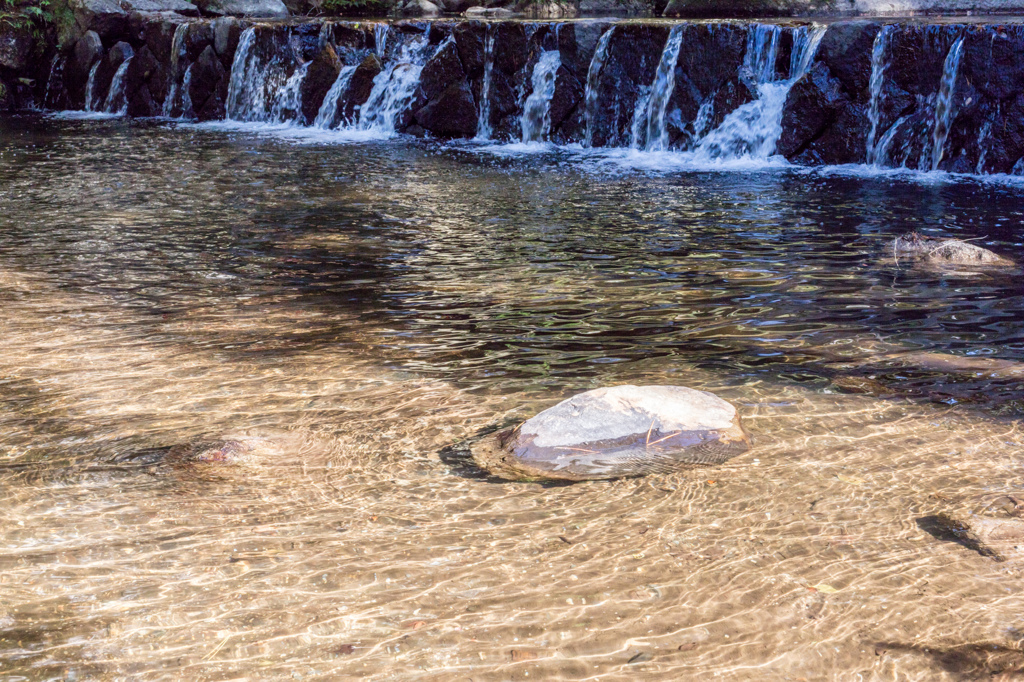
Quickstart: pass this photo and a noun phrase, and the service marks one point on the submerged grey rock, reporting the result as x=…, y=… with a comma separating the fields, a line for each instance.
x=943, y=252
x=616, y=432
x=1001, y=539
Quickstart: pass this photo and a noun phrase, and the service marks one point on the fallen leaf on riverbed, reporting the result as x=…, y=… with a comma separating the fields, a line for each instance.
x=518, y=655
x=345, y=649
x=852, y=480
x=822, y=587
x=414, y=624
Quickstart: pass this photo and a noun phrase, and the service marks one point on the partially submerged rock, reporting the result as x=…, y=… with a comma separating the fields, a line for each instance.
x=616, y=432
x=933, y=251
x=242, y=450
x=1000, y=538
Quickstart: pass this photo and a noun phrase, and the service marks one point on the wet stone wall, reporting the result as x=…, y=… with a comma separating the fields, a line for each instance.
x=926, y=96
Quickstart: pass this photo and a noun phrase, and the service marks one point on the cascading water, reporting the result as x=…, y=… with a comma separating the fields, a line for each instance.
x=483, y=124
x=175, y=74
x=762, y=53
x=394, y=88
x=288, y=101
x=328, y=113
x=638, y=128
x=879, y=54
x=55, y=82
x=90, y=88
x=245, y=91
x=536, y=120
x=593, y=74
x=751, y=131
x=117, y=102
x=380, y=40
x=661, y=92
x=944, y=104
x=264, y=86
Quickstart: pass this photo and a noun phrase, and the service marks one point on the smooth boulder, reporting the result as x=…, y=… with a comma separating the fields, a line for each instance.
x=616, y=432
x=944, y=252
x=999, y=538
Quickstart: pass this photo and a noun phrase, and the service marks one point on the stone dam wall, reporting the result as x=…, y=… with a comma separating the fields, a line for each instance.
x=928, y=96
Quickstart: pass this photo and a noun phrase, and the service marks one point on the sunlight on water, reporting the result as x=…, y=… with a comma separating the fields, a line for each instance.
x=350, y=312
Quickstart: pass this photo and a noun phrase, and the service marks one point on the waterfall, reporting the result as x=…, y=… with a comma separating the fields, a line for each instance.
x=288, y=101
x=762, y=53
x=879, y=52
x=944, y=103
x=187, y=110
x=536, y=120
x=638, y=128
x=55, y=83
x=593, y=74
x=751, y=131
x=90, y=88
x=984, y=136
x=117, y=102
x=882, y=157
x=483, y=124
x=329, y=109
x=174, y=75
x=245, y=78
x=380, y=40
x=661, y=92
x=394, y=88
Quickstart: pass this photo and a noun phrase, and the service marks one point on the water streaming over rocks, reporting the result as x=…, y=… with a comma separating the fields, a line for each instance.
x=483, y=126
x=536, y=121
x=883, y=94
x=944, y=105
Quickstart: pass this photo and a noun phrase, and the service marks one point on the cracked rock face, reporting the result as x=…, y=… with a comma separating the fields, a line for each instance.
x=616, y=432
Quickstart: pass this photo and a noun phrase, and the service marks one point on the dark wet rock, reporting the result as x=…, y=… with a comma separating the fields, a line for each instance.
x=160, y=35
x=359, y=89
x=470, y=37
x=106, y=17
x=226, y=33
x=616, y=432
x=346, y=35
x=140, y=71
x=813, y=105
x=207, y=86
x=244, y=8
x=449, y=109
x=999, y=538
x=917, y=248
x=87, y=51
x=634, y=51
x=706, y=75
x=320, y=76
x=451, y=114
x=567, y=98
x=16, y=43
x=198, y=36
x=846, y=50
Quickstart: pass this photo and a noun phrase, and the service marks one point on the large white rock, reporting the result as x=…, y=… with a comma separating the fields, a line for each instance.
x=618, y=431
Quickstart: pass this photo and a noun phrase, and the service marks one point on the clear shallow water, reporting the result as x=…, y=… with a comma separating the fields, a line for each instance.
x=363, y=306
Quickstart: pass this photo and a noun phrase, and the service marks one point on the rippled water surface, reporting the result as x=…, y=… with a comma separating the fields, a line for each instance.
x=357, y=309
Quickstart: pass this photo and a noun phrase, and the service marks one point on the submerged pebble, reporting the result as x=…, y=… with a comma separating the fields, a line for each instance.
x=616, y=432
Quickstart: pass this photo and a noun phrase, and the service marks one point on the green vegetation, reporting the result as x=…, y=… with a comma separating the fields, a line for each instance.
x=364, y=8
x=35, y=16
